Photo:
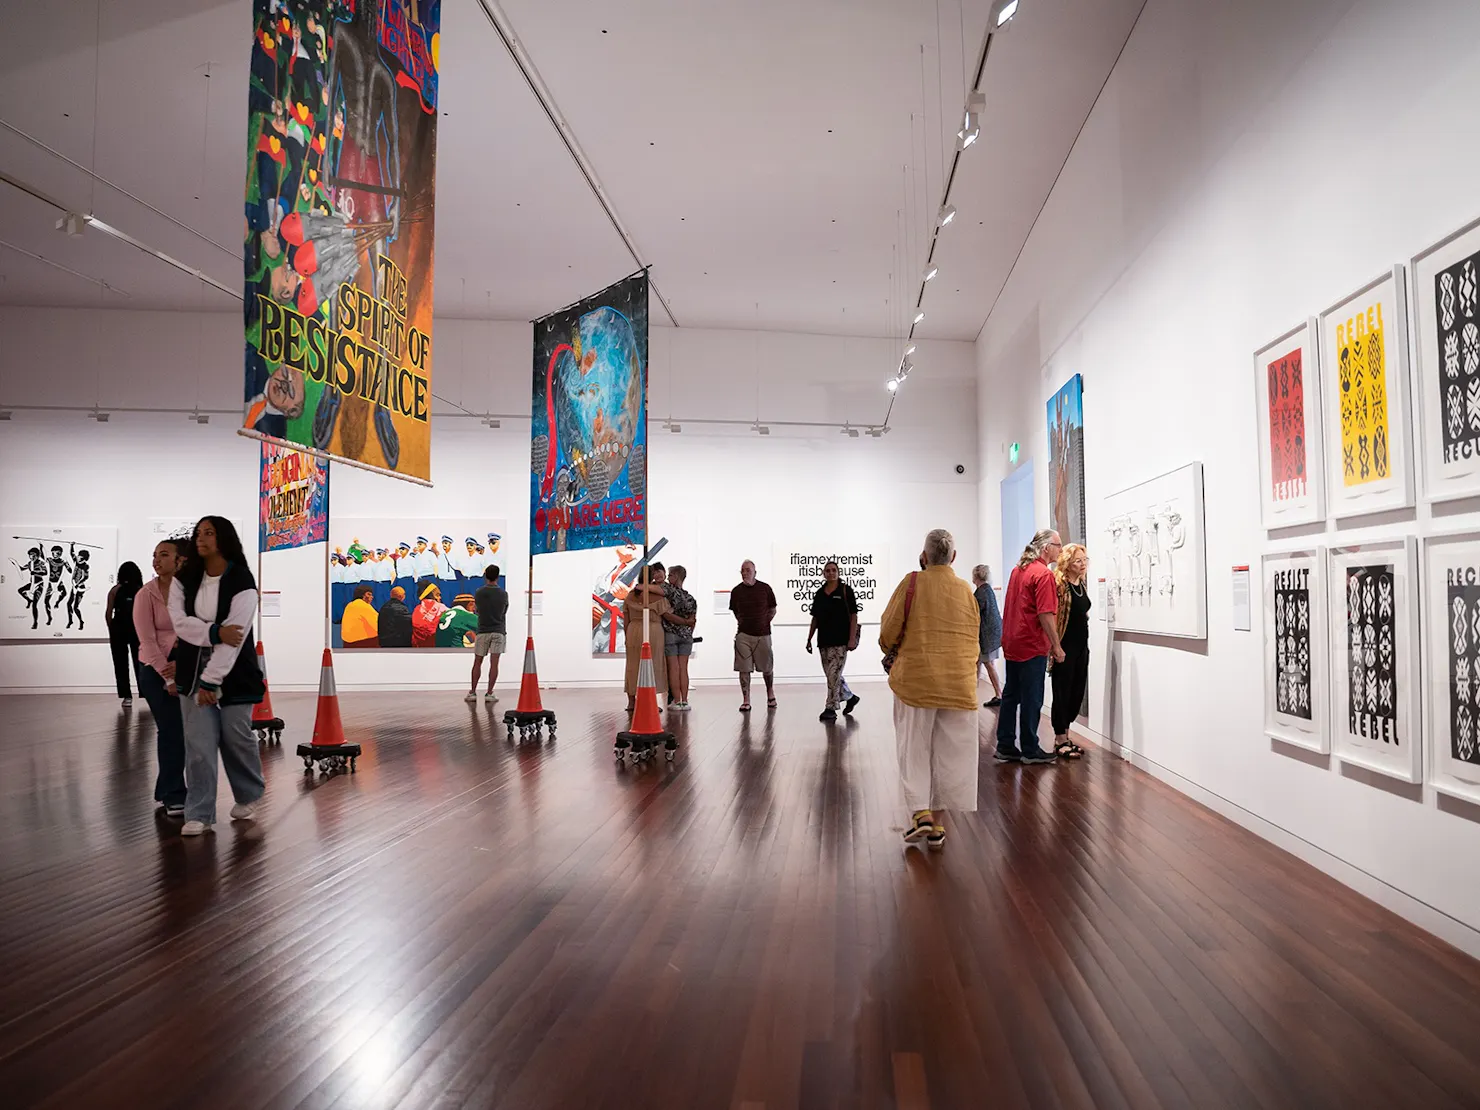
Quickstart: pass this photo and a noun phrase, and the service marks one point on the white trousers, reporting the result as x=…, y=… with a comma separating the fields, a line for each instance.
x=937, y=756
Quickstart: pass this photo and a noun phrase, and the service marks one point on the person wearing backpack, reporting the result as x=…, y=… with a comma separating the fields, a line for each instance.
x=929, y=636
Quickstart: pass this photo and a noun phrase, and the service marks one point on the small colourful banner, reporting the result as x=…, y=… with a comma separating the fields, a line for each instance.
x=294, y=503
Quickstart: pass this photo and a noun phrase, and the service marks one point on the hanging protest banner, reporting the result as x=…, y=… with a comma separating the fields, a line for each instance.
x=293, y=506
x=341, y=167
x=588, y=450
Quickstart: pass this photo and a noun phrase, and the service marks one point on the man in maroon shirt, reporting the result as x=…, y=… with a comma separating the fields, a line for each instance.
x=754, y=606
x=1030, y=634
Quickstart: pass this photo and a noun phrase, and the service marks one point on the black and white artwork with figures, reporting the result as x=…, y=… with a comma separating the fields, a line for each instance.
x=54, y=582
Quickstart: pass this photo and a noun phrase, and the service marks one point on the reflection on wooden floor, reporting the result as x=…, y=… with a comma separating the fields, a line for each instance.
x=469, y=923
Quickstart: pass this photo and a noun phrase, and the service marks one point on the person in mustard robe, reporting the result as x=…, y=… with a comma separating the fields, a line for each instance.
x=360, y=625
x=653, y=600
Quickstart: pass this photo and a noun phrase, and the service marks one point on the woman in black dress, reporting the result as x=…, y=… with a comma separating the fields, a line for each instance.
x=1071, y=677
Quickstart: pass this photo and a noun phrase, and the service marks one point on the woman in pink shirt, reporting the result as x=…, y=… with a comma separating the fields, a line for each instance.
x=157, y=676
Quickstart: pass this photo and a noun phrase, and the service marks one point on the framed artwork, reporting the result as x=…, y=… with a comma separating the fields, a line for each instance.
x=1158, y=563
x=1452, y=663
x=1365, y=406
x=54, y=582
x=1296, y=649
x=1066, y=461
x=613, y=583
x=1287, y=390
x=1372, y=590
x=1446, y=317
x=421, y=576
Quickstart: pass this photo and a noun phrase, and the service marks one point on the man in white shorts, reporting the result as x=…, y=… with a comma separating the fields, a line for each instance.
x=492, y=604
x=754, y=606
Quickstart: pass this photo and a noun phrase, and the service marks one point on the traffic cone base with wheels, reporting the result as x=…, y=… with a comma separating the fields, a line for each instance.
x=266, y=724
x=328, y=749
x=529, y=716
x=641, y=740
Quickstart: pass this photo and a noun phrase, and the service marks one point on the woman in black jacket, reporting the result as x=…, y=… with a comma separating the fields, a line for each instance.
x=213, y=600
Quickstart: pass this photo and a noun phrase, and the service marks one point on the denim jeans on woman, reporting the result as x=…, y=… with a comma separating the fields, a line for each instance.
x=224, y=729
x=169, y=743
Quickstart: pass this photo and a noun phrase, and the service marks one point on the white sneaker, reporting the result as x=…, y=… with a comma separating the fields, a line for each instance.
x=240, y=812
x=194, y=828
x=470, y=697
x=490, y=698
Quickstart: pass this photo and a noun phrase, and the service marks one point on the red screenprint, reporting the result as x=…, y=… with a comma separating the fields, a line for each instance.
x=1287, y=427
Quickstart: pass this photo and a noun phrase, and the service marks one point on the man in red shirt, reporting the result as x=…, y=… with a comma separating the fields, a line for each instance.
x=1030, y=634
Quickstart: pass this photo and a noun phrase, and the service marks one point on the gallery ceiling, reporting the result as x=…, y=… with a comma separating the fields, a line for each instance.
x=777, y=164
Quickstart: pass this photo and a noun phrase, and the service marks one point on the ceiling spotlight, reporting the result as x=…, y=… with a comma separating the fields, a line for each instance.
x=919, y=315
x=1002, y=13
x=852, y=433
x=947, y=214
x=99, y=416
x=905, y=366
x=909, y=350
x=892, y=384
x=877, y=433
x=4, y=414
x=971, y=120
x=491, y=422
x=72, y=224
x=202, y=418
x=672, y=427
x=930, y=273
x=762, y=429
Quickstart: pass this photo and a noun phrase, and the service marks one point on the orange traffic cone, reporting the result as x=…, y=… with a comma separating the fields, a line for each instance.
x=265, y=723
x=529, y=715
x=328, y=745
x=647, y=730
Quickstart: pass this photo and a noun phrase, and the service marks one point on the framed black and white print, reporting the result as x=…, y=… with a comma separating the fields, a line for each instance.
x=1296, y=689
x=1365, y=400
x=1451, y=588
x=1372, y=598
x=1287, y=408
x=1446, y=374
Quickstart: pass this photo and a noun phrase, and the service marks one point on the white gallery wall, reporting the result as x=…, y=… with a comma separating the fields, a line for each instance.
x=1249, y=163
x=719, y=493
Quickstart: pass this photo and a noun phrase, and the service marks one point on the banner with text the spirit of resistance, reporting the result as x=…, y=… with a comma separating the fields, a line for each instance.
x=341, y=168
x=588, y=449
x=293, y=501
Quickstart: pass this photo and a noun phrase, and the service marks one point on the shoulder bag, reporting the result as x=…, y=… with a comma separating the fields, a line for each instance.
x=909, y=600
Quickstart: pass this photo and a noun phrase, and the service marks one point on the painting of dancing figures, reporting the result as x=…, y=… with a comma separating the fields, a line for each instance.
x=55, y=582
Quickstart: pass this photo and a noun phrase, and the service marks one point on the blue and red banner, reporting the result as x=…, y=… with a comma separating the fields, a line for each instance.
x=293, y=509
x=588, y=451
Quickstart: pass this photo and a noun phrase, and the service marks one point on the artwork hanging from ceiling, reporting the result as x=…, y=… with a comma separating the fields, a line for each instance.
x=1373, y=615
x=293, y=499
x=1287, y=389
x=422, y=577
x=341, y=168
x=1451, y=663
x=54, y=581
x=1296, y=648
x=1365, y=404
x=1446, y=317
x=1066, y=461
x=1155, y=535
x=588, y=445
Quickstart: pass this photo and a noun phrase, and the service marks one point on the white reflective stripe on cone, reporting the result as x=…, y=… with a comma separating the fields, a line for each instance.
x=529, y=661
x=645, y=673
x=327, y=688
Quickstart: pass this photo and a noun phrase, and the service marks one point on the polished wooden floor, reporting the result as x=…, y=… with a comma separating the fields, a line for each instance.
x=466, y=922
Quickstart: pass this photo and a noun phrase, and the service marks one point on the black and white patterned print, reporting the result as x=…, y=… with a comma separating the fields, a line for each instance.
x=1292, y=642
x=1371, y=651
x=1464, y=664
x=1457, y=304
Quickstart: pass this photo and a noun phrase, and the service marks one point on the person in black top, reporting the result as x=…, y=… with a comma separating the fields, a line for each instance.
x=123, y=641
x=835, y=624
x=394, y=624
x=1071, y=674
x=492, y=604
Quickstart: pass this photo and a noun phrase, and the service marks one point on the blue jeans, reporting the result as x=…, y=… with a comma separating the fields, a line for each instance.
x=1022, y=698
x=169, y=743
x=226, y=729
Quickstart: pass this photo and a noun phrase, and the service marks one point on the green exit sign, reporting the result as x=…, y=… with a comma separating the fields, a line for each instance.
x=1012, y=453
